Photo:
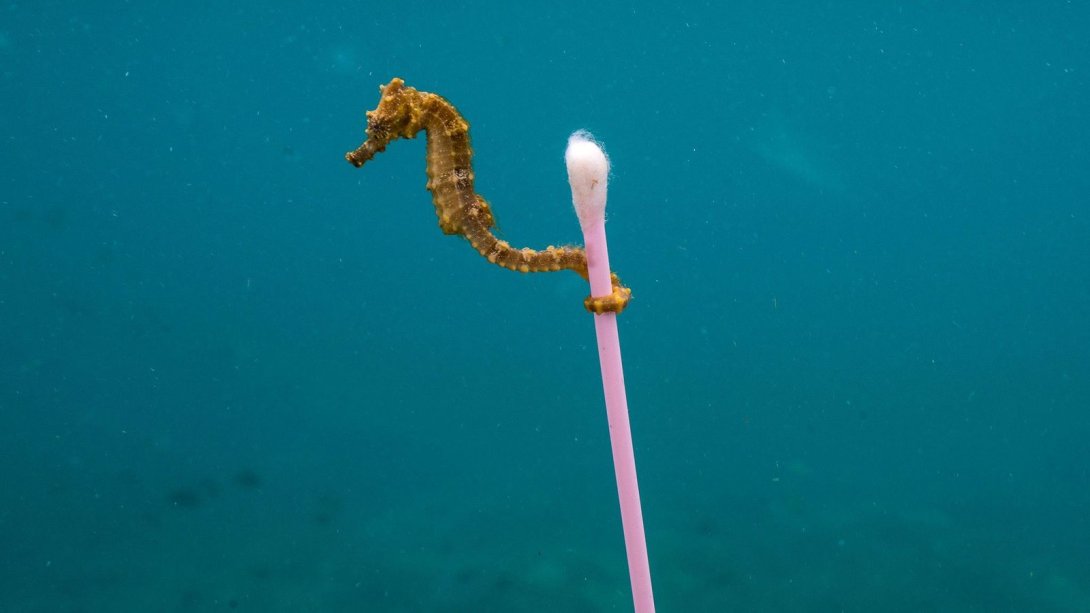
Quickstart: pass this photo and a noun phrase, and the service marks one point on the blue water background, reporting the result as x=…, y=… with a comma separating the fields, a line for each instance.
x=238, y=374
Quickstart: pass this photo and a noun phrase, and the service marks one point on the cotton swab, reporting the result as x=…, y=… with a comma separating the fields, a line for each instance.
x=588, y=170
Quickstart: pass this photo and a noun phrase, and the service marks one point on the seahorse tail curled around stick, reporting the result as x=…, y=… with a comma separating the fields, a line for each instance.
x=403, y=112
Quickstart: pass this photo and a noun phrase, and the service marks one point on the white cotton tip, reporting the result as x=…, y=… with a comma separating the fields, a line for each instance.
x=588, y=173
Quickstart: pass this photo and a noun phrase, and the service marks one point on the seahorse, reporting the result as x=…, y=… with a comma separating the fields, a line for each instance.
x=402, y=112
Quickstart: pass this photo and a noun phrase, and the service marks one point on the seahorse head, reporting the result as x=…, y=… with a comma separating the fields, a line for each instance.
x=395, y=117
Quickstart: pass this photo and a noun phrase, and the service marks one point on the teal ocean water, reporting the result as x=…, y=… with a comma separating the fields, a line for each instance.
x=237, y=374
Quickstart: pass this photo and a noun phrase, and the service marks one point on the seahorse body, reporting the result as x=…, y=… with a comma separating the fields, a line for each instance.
x=403, y=112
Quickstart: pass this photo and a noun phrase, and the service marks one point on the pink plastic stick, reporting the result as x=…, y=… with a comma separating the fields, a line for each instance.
x=588, y=170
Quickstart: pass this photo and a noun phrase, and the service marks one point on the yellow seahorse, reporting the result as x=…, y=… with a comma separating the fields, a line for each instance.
x=403, y=112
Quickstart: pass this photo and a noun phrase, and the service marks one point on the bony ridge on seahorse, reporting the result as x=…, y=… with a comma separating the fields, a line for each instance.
x=403, y=112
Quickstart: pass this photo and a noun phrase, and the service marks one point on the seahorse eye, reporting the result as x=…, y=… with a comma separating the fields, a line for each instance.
x=376, y=127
